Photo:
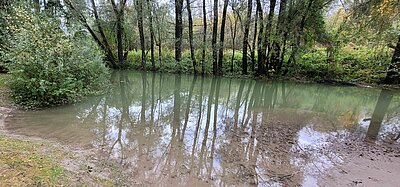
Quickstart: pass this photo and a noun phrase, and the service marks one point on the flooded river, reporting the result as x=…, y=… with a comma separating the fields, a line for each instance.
x=168, y=130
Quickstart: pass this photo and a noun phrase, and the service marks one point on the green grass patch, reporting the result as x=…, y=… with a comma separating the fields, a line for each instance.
x=3, y=80
x=23, y=164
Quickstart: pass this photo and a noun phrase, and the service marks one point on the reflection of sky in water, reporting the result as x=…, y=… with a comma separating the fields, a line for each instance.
x=312, y=113
x=310, y=139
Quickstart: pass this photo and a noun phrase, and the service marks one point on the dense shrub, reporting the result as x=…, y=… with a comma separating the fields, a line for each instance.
x=356, y=64
x=49, y=67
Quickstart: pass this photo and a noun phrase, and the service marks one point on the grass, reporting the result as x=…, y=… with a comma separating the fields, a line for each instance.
x=5, y=100
x=3, y=79
x=23, y=163
x=40, y=163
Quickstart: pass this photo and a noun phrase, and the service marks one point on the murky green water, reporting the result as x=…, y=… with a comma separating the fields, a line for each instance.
x=175, y=129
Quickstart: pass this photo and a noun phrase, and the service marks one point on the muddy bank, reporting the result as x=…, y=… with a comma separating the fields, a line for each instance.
x=362, y=171
x=33, y=161
x=364, y=163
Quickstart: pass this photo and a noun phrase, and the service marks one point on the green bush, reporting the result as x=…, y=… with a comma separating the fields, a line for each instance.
x=357, y=64
x=49, y=67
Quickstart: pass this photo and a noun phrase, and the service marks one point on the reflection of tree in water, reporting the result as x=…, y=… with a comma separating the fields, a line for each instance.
x=382, y=105
x=244, y=132
x=260, y=150
x=171, y=129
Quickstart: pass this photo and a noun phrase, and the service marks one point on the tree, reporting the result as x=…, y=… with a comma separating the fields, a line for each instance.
x=150, y=9
x=178, y=31
x=102, y=42
x=140, y=17
x=260, y=41
x=393, y=74
x=253, y=44
x=246, y=36
x=222, y=37
x=299, y=33
x=203, y=52
x=233, y=25
x=267, y=43
x=119, y=14
x=379, y=17
x=214, y=39
x=277, y=41
x=192, y=55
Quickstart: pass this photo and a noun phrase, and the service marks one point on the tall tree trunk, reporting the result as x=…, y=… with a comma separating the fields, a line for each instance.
x=233, y=34
x=192, y=55
x=260, y=41
x=214, y=38
x=203, y=52
x=246, y=36
x=281, y=58
x=277, y=41
x=222, y=37
x=139, y=9
x=120, y=30
x=158, y=43
x=119, y=13
x=268, y=38
x=393, y=74
x=281, y=35
x=150, y=9
x=178, y=31
x=253, y=45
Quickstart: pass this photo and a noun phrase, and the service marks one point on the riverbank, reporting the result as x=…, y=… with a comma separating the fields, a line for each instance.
x=26, y=161
x=352, y=66
x=31, y=162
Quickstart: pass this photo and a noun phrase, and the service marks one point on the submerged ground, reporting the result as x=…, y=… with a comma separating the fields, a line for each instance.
x=159, y=129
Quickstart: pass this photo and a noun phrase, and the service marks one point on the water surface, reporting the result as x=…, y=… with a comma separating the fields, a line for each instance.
x=184, y=130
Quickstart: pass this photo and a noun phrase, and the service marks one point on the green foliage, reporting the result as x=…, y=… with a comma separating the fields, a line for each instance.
x=352, y=64
x=50, y=67
x=3, y=80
